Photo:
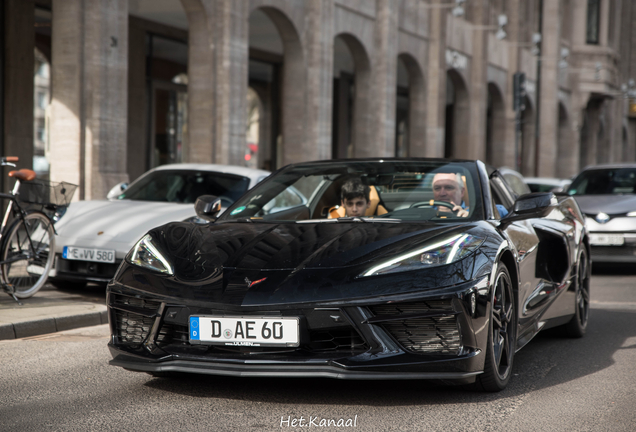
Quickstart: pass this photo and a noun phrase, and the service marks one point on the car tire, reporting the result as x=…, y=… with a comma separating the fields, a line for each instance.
x=502, y=334
x=578, y=324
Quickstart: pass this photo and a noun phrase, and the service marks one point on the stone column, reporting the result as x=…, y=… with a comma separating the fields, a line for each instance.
x=436, y=84
x=592, y=116
x=231, y=72
x=18, y=83
x=89, y=105
x=514, y=48
x=67, y=77
x=478, y=86
x=549, y=110
x=384, y=80
x=217, y=86
x=201, y=82
x=319, y=39
x=106, y=95
x=294, y=91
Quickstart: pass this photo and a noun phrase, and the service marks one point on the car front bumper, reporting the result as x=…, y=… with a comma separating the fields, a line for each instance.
x=436, y=338
x=83, y=271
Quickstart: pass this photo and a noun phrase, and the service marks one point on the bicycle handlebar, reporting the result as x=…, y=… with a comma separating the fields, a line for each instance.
x=9, y=160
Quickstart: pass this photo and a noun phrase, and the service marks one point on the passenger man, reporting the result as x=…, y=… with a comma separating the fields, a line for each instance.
x=355, y=197
x=449, y=187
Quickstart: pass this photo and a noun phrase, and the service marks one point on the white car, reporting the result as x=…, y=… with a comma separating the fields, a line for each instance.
x=94, y=236
x=547, y=184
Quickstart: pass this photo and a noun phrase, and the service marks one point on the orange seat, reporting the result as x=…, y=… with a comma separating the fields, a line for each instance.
x=23, y=174
x=375, y=208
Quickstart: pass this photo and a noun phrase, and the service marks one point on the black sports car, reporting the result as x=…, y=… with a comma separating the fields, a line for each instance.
x=422, y=286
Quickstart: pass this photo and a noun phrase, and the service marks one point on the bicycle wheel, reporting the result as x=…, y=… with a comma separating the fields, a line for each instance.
x=27, y=254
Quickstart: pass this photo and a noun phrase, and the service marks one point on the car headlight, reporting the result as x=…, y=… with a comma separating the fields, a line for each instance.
x=59, y=212
x=439, y=253
x=145, y=254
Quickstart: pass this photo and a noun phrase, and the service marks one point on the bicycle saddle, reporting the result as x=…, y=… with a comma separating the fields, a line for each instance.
x=23, y=174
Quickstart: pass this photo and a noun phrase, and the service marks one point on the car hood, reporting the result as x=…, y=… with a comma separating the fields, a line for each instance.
x=115, y=224
x=251, y=264
x=290, y=246
x=610, y=204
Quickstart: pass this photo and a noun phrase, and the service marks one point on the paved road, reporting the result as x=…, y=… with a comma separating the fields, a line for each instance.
x=62, y=382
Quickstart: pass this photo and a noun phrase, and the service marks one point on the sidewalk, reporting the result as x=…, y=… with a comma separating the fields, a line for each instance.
x=52, y=310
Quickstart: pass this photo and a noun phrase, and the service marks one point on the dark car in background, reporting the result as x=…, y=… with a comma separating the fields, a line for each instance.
x=410, y=292
x=606, y=195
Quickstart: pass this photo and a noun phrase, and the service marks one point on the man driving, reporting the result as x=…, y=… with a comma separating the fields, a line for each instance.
x=449, y=187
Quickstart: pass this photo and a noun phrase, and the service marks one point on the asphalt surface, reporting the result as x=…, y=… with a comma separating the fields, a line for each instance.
x=51, y=310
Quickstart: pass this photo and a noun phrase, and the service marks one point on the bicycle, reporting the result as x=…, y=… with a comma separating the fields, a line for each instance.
x=27, y=244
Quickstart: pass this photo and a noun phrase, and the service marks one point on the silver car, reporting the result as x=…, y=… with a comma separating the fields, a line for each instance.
x=94, y=236
x=606, y=195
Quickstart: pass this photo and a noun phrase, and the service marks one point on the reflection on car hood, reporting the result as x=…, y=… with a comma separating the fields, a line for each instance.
x=288, y=246
x=115, y=224
x=261, y=263
x=610, y=204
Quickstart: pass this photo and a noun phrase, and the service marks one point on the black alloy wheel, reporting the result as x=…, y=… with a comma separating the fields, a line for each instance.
x=502, y=336
x=578, y=324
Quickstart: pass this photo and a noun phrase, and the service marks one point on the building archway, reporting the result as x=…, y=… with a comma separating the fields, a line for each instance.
x=496, y=129
x=350, y=120
x=410, y=109
x=457, y=116
x=277, y=75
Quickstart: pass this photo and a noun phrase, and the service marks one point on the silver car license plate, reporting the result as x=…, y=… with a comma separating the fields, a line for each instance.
x=244, y=331
x=607, y=239
x=88, y=254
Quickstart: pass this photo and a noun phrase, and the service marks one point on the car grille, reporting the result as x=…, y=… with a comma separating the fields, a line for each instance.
x=172, y=334
x=341, y=339
x=425, y=335
x=613, y=251
x=319, y=340
x=133, y=317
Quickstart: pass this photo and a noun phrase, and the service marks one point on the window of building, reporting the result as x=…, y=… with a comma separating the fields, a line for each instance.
x=593, y=21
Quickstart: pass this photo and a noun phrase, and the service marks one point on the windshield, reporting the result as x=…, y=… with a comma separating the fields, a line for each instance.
x=368, y=191
x=608, y=181
x=185, y=186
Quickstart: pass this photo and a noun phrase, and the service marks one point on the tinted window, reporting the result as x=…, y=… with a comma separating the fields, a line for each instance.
x=182, y=186
x=604, y=182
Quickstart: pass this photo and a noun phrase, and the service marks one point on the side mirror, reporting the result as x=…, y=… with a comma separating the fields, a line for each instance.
x=532, y=205
x=117, y=190
x=208, y=207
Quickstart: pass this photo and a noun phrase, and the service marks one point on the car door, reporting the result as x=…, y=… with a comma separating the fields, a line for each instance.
x=526, y=242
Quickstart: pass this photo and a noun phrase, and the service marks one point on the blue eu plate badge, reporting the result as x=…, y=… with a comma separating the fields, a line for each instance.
x=194, y=328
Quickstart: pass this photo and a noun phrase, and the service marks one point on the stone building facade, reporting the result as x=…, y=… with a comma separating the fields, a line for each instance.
x=139, y=83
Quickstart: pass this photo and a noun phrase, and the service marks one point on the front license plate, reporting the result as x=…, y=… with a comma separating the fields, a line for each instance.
x=244, y=331
x=88, y=254
x=607, y=239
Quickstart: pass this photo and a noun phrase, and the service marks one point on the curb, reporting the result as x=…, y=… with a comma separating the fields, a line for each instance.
x=51, y=325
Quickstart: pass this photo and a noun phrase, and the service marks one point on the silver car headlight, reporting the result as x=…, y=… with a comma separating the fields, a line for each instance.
x=145, y=254
x=441, y=252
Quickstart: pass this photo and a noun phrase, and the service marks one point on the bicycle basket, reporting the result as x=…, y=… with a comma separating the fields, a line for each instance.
x=46, y=192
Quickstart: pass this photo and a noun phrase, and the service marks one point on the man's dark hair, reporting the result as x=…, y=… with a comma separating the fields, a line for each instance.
x=353, y=188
